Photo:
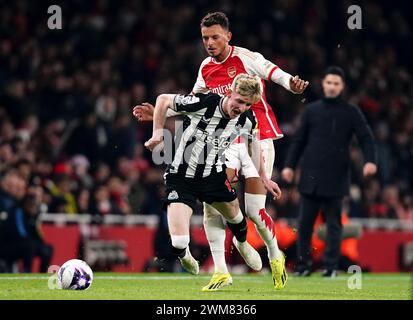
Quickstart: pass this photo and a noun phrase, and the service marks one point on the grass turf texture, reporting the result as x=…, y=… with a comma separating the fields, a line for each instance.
x=162, y=286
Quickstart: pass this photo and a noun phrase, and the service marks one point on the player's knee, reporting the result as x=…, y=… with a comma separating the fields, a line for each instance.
x=214, y=222
x=210, y=212
x=180, y=242
x=231, y=210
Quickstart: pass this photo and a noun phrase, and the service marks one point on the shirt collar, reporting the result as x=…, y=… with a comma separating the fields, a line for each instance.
x=221, y=108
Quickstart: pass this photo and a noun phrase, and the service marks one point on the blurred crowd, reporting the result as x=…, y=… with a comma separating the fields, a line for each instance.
x=66, y=128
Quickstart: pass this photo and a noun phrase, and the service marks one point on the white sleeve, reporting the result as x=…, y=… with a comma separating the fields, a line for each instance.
x=256, y=64
x=282, y=78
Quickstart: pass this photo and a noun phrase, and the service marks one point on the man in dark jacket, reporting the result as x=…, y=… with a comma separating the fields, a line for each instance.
x=322, y=141
x=20, y=236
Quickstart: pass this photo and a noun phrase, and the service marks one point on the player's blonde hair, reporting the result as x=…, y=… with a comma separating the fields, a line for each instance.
x=247, y=86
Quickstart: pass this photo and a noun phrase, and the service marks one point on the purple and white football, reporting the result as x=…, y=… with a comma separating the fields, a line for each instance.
x=75, y=274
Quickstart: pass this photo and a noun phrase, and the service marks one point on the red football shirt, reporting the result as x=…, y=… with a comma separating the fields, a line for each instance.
x=217, y=77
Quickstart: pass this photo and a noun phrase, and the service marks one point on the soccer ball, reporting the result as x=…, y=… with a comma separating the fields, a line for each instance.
x=75, y=274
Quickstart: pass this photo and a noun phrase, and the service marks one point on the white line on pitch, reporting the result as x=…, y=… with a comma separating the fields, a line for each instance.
x=184, y=277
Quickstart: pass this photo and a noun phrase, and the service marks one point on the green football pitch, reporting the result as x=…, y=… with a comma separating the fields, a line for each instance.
x=182, y=286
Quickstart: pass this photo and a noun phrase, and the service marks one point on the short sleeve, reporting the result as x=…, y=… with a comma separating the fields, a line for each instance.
x=188, y=103
x=256, y=64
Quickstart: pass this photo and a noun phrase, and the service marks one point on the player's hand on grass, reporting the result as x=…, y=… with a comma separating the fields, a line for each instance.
x=156, y=142
x=143, y=112
x=298, y=85
x=272, y=187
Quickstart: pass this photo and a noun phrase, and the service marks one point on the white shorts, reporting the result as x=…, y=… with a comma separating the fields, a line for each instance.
x=238, y=159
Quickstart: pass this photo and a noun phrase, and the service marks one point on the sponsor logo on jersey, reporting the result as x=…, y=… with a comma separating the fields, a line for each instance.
x=173, y=195
x=232, y=71
x=221, y=89
x=217, y=142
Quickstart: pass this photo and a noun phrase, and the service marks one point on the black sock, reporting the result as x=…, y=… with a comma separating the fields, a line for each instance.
x=239, y=230
x=178, y=252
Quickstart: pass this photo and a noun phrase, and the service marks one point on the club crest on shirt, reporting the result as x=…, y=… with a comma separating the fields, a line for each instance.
x=232, y=71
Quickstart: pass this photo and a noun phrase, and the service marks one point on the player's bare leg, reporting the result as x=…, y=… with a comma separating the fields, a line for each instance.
x=179, y=215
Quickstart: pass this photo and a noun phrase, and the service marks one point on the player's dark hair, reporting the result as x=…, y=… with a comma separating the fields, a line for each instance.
x=335, y=70
x=214, y=18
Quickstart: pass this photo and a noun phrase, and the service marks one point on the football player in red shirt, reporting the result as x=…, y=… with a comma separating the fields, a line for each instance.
x=216, y=74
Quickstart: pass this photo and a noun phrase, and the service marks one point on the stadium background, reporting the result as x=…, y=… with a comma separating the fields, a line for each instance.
x=68, y=134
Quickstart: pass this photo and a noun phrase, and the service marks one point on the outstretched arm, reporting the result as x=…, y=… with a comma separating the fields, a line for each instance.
x=180, y=103
x=163, y=102
x=144, y=112
x=298, y=85
x=256, y=63
x=294, y=84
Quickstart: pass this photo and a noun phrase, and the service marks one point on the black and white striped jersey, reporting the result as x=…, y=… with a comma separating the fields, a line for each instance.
x=207, y=133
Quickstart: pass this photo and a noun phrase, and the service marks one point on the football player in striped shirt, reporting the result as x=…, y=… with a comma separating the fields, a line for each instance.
x=197, y=170
x=215, y=75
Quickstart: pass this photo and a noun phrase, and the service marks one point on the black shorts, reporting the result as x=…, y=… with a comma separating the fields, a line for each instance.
x=214, y=188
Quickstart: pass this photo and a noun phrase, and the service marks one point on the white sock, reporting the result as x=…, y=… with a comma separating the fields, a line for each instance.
x=214, y=226
x=180, y=242
x=255, y=209
x=237, y=219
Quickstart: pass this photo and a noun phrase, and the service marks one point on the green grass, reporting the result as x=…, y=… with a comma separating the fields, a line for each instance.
x=161, y=286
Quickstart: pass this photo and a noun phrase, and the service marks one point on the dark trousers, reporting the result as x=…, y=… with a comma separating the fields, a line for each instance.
x=26, y=251
x=14, y=251
x=44, y=252
x=310, y=206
